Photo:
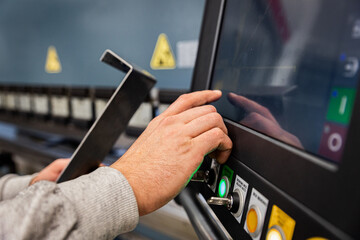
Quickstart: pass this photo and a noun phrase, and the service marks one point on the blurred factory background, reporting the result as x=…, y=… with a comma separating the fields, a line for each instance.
x=53, y=87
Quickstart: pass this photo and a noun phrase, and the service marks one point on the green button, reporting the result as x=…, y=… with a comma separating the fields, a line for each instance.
x=340, y=105
x=222, y=188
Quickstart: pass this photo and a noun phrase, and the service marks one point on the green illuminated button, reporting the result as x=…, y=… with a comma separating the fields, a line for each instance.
x=341, y=105
x=223, y=187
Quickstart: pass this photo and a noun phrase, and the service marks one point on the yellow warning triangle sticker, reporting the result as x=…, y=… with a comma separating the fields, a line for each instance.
x=163, y=57
x=52, y=64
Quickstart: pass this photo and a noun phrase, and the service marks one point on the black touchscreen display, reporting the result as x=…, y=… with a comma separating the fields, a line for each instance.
x=289, y=69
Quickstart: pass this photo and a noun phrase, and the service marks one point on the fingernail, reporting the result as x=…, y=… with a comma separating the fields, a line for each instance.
x=218, y=91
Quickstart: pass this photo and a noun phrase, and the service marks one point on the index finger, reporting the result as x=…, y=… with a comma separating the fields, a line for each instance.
x=191, y=100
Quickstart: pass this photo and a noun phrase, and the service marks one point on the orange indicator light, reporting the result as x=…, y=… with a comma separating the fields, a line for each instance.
x=252, y=220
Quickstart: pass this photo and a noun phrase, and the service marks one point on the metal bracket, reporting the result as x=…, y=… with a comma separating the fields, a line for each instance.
x=122, y=105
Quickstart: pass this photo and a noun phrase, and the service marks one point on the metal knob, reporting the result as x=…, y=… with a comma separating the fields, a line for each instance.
x=200, y=176
x=233, y=202
x=227, y=202
x=207, y=176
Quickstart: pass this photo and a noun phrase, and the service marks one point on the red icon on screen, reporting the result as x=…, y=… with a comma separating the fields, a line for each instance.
x=332, y=141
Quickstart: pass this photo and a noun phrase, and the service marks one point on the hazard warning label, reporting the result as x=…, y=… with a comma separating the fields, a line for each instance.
x=163, y=57
x=52, y=64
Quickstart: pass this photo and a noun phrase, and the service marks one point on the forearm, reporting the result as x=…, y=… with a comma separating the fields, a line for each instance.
x=99, y=205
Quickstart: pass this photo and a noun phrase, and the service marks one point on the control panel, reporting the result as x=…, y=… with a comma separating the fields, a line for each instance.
x=242, y=199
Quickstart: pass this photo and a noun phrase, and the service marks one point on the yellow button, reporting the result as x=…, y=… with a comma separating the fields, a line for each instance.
x=282, y=223
x=317, y=238
x=274, y=234
x=252, y=220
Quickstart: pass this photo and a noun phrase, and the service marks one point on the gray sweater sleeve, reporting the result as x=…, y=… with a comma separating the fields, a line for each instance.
x=100, y=205
x=12, y=184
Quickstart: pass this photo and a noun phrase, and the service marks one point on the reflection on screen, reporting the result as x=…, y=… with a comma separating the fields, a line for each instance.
x=289, y=69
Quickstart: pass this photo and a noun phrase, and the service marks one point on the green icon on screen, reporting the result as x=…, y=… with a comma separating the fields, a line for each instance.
x=341, y=105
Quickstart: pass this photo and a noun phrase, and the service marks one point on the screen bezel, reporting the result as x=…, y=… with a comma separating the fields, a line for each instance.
x=323, y=187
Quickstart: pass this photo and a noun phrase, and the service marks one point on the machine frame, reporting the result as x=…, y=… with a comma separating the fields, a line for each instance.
x=325, y=191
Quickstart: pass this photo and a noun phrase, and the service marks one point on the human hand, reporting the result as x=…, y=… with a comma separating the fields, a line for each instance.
x=51, y=172
x=162, y=160
x=260, y=118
